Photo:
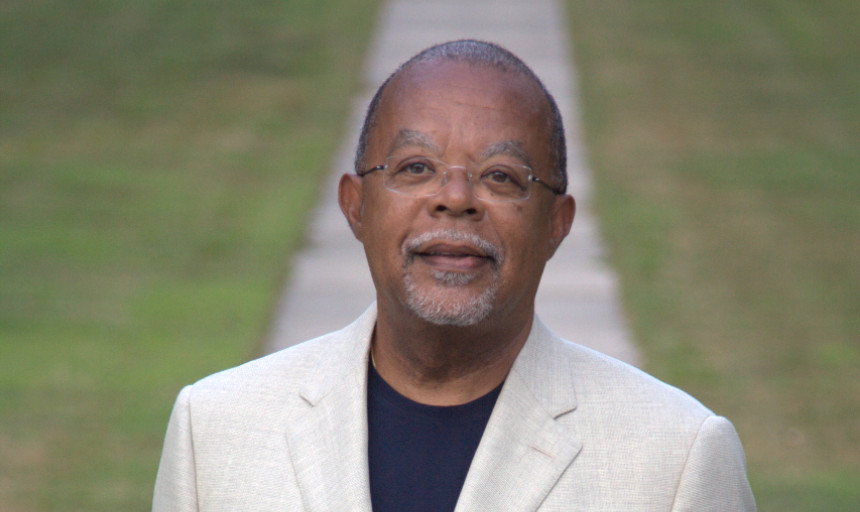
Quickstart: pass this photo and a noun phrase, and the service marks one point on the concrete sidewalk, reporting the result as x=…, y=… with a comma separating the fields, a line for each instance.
x=330, y=284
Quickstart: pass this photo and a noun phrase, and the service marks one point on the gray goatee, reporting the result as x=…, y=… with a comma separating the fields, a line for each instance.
x=441, y=304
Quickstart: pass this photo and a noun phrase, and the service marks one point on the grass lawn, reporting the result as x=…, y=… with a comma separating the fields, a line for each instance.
x=725, y=140
x=157, y=160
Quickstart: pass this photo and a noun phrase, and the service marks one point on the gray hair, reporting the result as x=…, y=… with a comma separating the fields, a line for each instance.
x=483, y=54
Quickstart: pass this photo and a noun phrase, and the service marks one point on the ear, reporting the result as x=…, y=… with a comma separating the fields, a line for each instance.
x=350, y=197
x=563, y=211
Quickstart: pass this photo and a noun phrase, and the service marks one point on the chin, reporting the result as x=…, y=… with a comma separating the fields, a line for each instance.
x=448, y=303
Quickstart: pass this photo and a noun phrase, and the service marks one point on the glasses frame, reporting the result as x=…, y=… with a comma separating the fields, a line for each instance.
x=531, y=178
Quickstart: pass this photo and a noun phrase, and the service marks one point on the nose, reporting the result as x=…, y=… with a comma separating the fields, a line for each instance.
x=455, y=198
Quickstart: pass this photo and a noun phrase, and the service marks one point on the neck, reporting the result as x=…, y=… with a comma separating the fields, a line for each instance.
x=447, y=365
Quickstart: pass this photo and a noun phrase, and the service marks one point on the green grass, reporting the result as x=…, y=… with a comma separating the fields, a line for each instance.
x=157, y=160
x=725, y=140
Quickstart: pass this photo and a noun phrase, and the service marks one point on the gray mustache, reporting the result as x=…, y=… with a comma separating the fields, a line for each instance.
x=411, y=245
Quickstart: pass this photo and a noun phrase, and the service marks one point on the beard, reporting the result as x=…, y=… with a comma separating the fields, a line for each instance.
x=443, y=302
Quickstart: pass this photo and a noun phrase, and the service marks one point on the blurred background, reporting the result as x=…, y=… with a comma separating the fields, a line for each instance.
x=158, y=160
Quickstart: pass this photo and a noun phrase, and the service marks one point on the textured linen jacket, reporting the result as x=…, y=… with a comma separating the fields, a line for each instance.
x=572, y=430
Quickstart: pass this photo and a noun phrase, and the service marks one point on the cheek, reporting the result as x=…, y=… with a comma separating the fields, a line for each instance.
x=387, y=218
x=527, y=247
x=522, y=229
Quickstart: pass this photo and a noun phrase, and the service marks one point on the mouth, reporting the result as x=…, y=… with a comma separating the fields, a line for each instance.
x=453, y=256
x=455, y=251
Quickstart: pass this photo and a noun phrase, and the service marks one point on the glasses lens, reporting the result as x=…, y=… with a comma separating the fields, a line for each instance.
x=502, y=182
x=422, y=176
x=415, y=175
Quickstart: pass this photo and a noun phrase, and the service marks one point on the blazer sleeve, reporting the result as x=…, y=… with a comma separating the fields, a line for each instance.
x=176, y=482
x=714, y=476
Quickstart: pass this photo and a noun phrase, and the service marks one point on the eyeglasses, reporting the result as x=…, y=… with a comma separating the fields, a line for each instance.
x=491, y=181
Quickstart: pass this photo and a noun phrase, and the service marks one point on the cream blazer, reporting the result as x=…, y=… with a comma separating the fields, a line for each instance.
x=572, y=430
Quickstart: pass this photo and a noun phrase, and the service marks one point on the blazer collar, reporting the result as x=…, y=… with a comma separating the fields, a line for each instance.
x=545, y=370
x=522, y=454
x=328, y=438
x=524, y=450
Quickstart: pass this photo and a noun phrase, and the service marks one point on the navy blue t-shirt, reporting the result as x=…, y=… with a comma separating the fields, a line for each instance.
x=419, y=454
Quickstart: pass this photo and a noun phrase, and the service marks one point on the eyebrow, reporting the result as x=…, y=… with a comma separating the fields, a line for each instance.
x=512, y=148
x=413, y=138
x=407, y=138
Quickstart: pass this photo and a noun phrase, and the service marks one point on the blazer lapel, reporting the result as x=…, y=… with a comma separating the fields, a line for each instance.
x=328, y=438
x=523, y=451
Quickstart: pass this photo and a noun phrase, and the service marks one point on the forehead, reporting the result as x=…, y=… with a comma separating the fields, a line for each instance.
x=451, y=101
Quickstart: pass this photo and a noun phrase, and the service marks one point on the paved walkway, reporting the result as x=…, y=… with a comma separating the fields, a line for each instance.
x=330, y=284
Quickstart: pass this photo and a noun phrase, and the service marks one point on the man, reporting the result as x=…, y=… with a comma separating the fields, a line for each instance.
x=448, y=392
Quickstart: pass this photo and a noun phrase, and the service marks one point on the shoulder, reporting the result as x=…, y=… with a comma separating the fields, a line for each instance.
x=565, y=376
x=271, y=372
x=601, y=381
x=305, y=367
x=636, y=429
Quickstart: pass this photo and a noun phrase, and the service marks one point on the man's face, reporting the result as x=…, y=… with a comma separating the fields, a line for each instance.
x=451, y=258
